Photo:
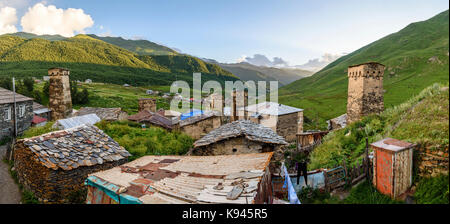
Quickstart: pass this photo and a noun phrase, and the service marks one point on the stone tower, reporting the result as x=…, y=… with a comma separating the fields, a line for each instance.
x=365, y=90
x=239, y=105
x=147, y=104
x=60, y=101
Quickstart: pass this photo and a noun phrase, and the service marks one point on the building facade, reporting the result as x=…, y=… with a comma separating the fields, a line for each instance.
x=24, y=113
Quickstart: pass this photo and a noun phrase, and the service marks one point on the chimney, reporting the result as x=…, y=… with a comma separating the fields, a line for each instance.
x=60, y=100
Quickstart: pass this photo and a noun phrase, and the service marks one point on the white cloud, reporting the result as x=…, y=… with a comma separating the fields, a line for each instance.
x=262, y=60
x=317, y=64
x=41, y=19
x=8, y=20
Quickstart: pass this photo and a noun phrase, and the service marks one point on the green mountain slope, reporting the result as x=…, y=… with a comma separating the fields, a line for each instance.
x=246, y=71
x=415, y=57
x=141, y=47
x=422, y=119
x=88, y=57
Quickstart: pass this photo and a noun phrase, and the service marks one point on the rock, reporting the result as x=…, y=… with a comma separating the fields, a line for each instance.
x=235, y=192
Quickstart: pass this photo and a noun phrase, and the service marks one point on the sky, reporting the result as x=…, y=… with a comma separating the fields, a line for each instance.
x=291, y=31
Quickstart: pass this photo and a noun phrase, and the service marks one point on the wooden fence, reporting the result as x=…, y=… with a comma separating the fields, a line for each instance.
x=344, y=175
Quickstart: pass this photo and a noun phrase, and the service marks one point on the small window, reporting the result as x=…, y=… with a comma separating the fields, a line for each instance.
x=234, y=150
x=7, y=112
x=21, y=110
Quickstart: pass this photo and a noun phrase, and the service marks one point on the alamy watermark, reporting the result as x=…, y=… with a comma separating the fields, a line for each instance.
x=211, y=96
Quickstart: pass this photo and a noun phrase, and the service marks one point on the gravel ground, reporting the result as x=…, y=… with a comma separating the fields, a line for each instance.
x=9, y=191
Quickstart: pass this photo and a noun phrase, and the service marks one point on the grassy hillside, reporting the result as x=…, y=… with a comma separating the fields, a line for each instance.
x=141, y=47
x=87, y=57
x=415, y=57
x=246, y=71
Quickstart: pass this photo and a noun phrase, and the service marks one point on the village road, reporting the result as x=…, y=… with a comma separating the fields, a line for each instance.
x=9, y=191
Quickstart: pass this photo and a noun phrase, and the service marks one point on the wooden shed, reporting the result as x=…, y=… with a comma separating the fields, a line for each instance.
x=392, y=166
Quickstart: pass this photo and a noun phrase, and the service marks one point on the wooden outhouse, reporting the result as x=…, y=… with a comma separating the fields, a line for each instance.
x=392, y=166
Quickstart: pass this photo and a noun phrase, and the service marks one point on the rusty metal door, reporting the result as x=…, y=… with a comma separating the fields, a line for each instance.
x=384, y=172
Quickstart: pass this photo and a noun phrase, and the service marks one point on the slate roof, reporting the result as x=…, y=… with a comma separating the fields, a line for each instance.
x=107, y=114
x=251, y=131
x=84, y=145
x=7, y=96
x=185, y=179
x=76, y=121
x=272, y=108
x=197, y=118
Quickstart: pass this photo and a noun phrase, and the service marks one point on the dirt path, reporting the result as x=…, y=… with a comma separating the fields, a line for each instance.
x=9, y=192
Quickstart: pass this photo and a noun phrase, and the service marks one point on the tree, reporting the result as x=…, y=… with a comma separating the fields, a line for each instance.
x=28, y=84
x=46, y=89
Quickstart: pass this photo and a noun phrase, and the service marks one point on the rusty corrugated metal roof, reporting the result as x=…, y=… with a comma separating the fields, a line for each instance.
x=187, y=179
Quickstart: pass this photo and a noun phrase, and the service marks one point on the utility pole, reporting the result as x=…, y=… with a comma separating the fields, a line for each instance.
x=14, y=109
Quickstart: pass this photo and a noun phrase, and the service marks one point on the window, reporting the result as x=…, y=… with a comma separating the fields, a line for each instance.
x=21, y=110
x=7, y=112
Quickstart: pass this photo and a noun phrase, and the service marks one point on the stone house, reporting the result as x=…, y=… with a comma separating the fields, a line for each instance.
x=41, y=111
x=199, y=125
x=337, y=123
x=239, y=137
x=365, y=90
x=54, y=166
x=24, y=113
x=107, y=114
x=286, y=121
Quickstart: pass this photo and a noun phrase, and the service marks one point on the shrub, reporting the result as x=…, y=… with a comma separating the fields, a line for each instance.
x=150, y=141
x=37, y=131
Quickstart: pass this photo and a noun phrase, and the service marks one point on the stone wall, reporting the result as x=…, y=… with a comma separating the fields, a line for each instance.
x=52, y=186
x=203, y=127
x=234, y=146
x=431, y=162
x=147, y=104
x=23, y=122
x=365, y=90
x=60, y=101
x=289, y=125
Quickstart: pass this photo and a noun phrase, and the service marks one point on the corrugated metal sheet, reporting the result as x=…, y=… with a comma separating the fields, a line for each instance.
x=185, y=179
x=72, y=122
x=271, y=108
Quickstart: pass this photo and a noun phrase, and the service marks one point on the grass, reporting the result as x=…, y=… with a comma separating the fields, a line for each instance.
x=37, y=131
x=422, y=119
x=433, y=190
x=408, y=71
x=150, y=141
x=365, y=193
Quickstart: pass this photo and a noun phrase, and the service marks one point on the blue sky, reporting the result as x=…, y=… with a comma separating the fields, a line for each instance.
x=226, y=30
